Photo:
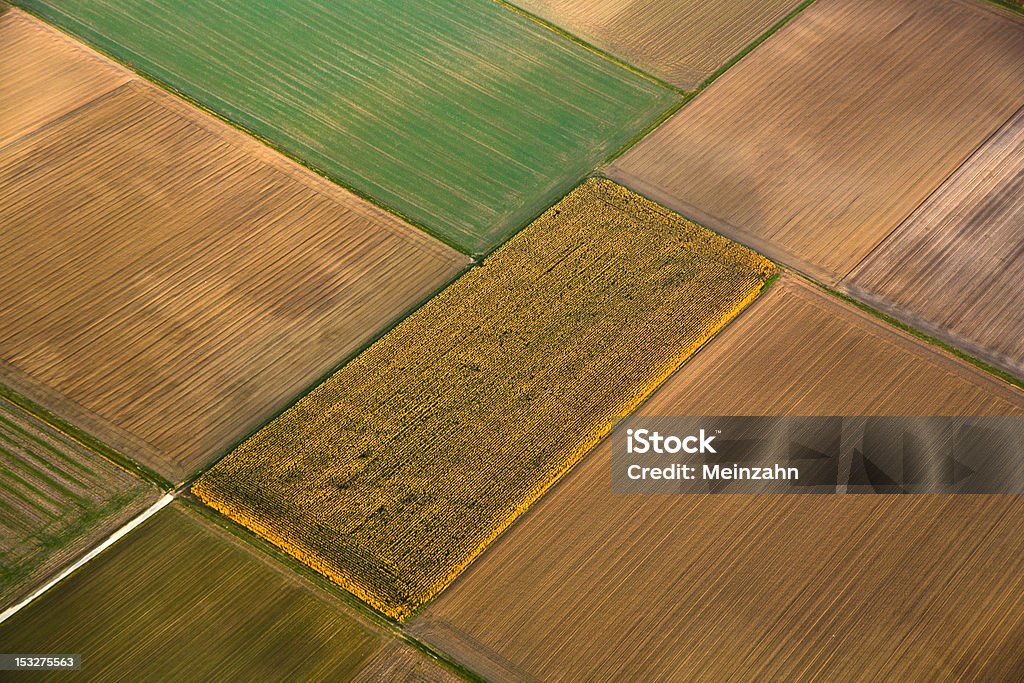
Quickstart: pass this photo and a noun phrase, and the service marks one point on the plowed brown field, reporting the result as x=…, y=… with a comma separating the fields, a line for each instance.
x=829, y=135
x=595, y=586
x=44, y=74
x=680, y=42
x=956, y=266
x=180, y=283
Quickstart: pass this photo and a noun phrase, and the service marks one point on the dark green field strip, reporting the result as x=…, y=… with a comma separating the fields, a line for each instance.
x=56, y=496
x=466, y=119
x=178, y=599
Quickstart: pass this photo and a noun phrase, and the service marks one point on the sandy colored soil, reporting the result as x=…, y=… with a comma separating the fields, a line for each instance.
x=179, y=599
x=956, y=266
x=823, y=140
x=681, y=42
x=595, y=586
x=182, y=283
x=44, y=74
x=394, y=474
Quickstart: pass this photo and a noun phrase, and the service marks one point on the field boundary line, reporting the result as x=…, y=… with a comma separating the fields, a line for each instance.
x=282, y=562
x=752, y=45
x=573, y=38
x=842, y=280
x=49, y=123
x=163, y=502
x=96, y=45
x=82, y=437
x=690, y=95
x=336, y=367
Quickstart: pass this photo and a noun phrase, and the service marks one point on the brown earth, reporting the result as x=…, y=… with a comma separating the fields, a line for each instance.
x=681, y=42
x=179, y=282
x=825, y=138
x=596, y=586
x=44, y=74
x=956, y=266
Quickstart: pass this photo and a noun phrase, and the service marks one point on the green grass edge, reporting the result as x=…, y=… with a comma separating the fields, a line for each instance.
x=796, y=11
x=85, y=439
x=997, y=372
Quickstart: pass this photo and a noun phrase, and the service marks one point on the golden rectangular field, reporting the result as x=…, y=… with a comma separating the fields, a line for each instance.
x=397, y=472
x=683, y=43
x=956, y=267
x=180, y=599
x=170, y=283
x=824, y=139
x=592, y=585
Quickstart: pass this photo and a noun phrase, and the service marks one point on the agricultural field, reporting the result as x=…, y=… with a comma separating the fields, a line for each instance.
x=179, y=599
x=44, y=74
x=956, y=266
x=592, y=585
x=467, y=119
x=178, y=283
x=683, y=43
x=824, y=139
x=57, y=497
x=393, y=475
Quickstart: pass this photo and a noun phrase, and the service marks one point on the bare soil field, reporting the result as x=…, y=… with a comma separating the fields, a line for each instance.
x=956, y=267
x=180, y=282
x=595, y=586
x=180, y=599
x=44, y=74
x=825, y=138
x=57, y=497
x=680, y=42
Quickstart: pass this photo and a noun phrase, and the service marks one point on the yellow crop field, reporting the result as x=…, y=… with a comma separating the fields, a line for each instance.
x=400, y=469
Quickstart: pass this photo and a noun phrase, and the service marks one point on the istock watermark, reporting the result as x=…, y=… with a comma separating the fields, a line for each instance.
x=839, y=454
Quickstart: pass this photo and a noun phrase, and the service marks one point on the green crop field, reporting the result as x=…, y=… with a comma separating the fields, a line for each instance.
x=466, y=118
x=56, y=498
x=179, y=599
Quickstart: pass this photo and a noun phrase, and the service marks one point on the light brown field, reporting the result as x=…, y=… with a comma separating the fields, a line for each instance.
x=178, y=282
x=825, y=138
x=595, y=586
x=681, y=42
x=956, y=266
x=44, y=74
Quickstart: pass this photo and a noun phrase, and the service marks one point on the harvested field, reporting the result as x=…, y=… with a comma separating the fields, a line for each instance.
x=179, y=599
x=590, y=585
x=179, y=283
x=821, y=142
x=683, y=43
x=956, y=266
x=466, y=118
x=57, y=497
x=392, y=476
x=44, y=74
